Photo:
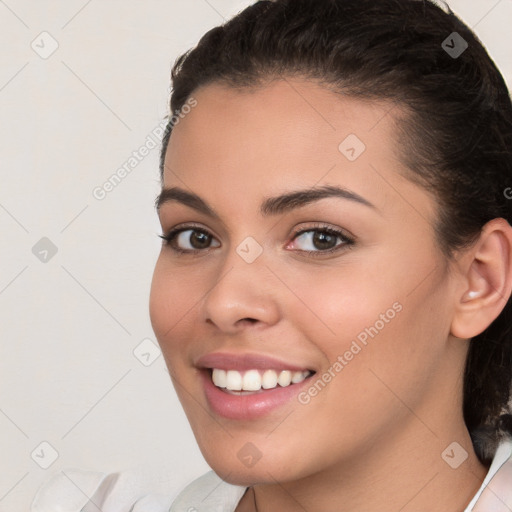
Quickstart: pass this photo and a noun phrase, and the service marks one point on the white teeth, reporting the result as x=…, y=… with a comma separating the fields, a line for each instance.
x=233, y=380
x=269, y=379
x=254, y=380
x=251, y=381
x=284, y=378
x=298, y=377
x=219, y=378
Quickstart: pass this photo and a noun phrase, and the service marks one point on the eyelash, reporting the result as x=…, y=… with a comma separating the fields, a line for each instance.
x=347, y=242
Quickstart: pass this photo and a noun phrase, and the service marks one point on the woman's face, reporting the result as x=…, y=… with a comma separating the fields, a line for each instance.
x=371, y=316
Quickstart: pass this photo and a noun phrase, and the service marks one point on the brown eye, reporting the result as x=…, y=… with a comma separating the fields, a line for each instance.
x=198, y=239
x=321, y=240
x=188, y=240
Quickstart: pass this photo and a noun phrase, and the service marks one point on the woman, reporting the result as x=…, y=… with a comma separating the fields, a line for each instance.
x=332, y=297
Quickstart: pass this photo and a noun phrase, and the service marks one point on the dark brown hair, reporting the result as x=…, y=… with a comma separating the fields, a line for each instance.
x=455, y=138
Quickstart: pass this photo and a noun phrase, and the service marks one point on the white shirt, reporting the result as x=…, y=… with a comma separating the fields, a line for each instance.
x=75, y=490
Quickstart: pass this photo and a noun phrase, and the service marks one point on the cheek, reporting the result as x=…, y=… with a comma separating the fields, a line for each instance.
x=337, y=304
x=371, y=319
x=171, y=304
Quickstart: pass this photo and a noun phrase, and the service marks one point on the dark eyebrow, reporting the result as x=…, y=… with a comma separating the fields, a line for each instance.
x=270, y=206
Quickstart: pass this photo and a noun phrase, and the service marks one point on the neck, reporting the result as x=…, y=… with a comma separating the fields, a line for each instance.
x=407, y=474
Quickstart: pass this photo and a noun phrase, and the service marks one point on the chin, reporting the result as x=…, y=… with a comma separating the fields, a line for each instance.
x=251, y=476
x=246, y=472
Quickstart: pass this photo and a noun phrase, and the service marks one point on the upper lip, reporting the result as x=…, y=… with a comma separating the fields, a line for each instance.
x=245, y=361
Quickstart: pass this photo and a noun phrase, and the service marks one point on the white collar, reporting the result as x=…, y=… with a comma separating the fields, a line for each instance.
x=495, y=493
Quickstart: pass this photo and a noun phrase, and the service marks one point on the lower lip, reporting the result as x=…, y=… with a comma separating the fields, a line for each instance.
x=248, y=407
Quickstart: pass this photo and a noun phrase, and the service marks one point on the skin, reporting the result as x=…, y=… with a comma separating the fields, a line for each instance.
x=372, y=439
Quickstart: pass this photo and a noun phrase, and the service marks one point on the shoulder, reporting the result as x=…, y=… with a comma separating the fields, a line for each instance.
x=74, y=490
x=70, y=490
x=208, y=493
x=496, y=490
x=137, y=490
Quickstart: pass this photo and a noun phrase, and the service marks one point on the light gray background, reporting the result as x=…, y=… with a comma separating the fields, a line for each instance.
x=69, y=325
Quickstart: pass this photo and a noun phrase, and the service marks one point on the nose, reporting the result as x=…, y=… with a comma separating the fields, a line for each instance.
x=244, y=294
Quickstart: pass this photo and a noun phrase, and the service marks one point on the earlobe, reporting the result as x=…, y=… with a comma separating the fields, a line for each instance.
x=487, y=282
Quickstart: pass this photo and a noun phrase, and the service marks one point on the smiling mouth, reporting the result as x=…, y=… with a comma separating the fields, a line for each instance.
x=254, y=381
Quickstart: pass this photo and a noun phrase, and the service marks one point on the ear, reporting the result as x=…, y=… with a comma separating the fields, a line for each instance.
x=487, y=280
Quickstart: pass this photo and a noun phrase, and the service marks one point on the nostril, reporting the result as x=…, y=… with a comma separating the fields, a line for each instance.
x=244, y=321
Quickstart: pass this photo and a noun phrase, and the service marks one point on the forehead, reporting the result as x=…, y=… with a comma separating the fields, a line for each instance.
x=285, y=111
x=289, y=134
